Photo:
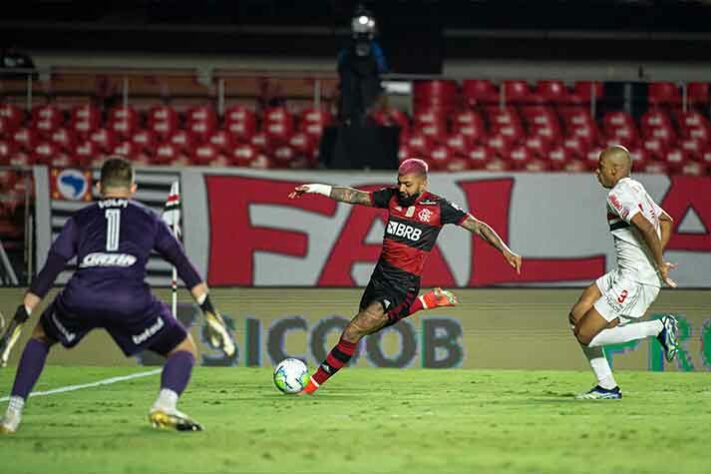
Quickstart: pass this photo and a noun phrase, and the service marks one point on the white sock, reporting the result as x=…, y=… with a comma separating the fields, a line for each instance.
x=600, y=367
x=626, y=333
x=167, y=400
x=13, y=415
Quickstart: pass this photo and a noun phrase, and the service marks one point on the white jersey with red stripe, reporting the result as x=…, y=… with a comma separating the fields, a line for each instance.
x=634, y=259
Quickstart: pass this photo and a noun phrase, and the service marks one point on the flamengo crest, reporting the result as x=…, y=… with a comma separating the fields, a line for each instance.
x=424, y=215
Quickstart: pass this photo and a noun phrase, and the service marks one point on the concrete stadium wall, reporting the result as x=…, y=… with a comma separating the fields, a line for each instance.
x=491, y=329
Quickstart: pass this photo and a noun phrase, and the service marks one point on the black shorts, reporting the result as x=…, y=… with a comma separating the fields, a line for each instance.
x=394, y=289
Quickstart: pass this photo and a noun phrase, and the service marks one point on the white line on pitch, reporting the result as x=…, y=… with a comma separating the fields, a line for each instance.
x=72, y=388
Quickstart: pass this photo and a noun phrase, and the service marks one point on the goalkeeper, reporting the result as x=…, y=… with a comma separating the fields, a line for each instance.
x=112, y=240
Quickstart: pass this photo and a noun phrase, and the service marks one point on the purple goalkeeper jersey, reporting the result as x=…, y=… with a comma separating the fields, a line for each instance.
x=112, y=240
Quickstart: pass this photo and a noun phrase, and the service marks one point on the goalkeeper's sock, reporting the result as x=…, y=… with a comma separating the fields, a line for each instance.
x=30, y=368
x=337, y=358
x=177, y=371
x=433, y=299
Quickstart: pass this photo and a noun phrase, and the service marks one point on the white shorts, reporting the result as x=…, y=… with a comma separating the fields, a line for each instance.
x=622, y=297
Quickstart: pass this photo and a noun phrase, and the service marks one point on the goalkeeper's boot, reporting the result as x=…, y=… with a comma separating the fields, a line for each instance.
x=161, y=418
x=217, y=333
x=599, y=393
x=10, y=423
x=438, y=298
x=669, y=337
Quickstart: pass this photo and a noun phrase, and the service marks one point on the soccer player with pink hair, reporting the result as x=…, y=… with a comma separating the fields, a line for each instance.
x=415, y=218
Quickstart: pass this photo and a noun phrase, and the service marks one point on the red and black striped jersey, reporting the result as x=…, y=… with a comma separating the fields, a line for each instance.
x=411, y=232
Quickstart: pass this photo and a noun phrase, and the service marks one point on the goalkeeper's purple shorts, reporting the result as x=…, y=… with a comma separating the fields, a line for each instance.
x=156, y=329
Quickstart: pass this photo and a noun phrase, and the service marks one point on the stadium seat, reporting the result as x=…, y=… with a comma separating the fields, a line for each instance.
x=63, y=138
x=106, y=139
x=663, y=93
x=577, y=147
x=201, y=130
x=502, y=117
x=698, y=94
x=478, y=156
x=429, y=116
x=655, y=167
x=520, y=157
x=315, y=116
x=665, y=134
x=6, y=128
x=692, y=147
x=440, y=157
x=694, y=168
x=7, y=149
x=303, y=143
x=85, y=113
x=404, y=153
x=467, y=118
x=203, y=114
x=223, y=139
x=205, y=154
x=121, y=113
x=706, y=156
x=655, y=119
x=278, y=132
x=184, y=140
x=640, y=157
x=497, y=165
x=558, y=156
x=589, y=90
x=167, y=153
x=552, y=91
x=516, y=92
x=539, y=146
x=261, y=141
x=86, y=151
x=45, y=152
x=501, y=144
x=458, y=143
x=675, y=158
x=575, y=166
x=127, y=149
x=654, y=147
x=243, y=131
x=14, y=115
x=243, y=154
x=283, y=156
x=437, y=94
x=478, y=91
x=146, y=140
x=420, y=143
x=21, y=158
x=162, y=113
x=123, y=127
x=617, y=119
x=536, y=165
x=25, y=138
x=163, y=128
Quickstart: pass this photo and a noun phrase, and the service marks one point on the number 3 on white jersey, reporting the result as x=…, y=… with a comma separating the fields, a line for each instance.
x=113, y=229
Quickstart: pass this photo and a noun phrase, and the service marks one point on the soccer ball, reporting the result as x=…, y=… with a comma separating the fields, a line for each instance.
x=291, y=375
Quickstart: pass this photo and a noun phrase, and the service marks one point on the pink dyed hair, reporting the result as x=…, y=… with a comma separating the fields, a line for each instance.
x=413, y=165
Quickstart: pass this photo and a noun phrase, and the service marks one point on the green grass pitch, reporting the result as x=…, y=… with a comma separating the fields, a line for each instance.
x=368, y=420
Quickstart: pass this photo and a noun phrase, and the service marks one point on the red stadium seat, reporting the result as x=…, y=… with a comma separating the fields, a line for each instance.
x=539, y=146
x=467, y=118
x=404, y=153
x=315, y=116
x=304, y=144
x=588, y=134
x=85, y=113
x=240, y=113
x=558, y=156
x=618, y=119
x=501, y=144
x=202, y=114
x=21, y=158
x=540, y=116
x=420, y=143
x=654, y=147
x=640, y=158
x=577, y=117
x=503, y=117
x=87, y=151
x=514, y=133
x=578, y=147
x=283, y=156
x=201, y=130
x=516, y=92
x=128, y=150
x=25, y=138
x=63, y=160
x=105, y=139
x=243, y=131
x=655, y=167
x=665, y=134
x=589, y=90
x=47, y=112
x=243, y=154
x=698, y=93
x=167, y=153
x=458, y=143
x=7, y=149
x=429, y=116
x=223, y=140
x=473, y=133
x=575, y=166
x=121, y=113
x=593, y=157
x=279, y=115
x=123, y=127
x=162, y=113
x=693, y=168
x=520, y=157
x=675, y=158
x=706, y=156
x=205, y=154
x=552, y=91
x=692, y=147
x=261, y=141
x=655, y=119
x=548, y=133
x=278, y=132
x=663, y=93
x=45, y=152
x=440, y=94
x=440, y=157
x=146, y=141
x=14, y=115
x=477, y=91
x=184, y=140
x=6, y=128
x=497, y=164
x=479, y=155
x=63, y=138
x=536, y=166
x=83, y=127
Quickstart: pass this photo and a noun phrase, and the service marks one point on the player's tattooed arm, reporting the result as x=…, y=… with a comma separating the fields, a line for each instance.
x=489, y=235
x=337, y=193
x=350, y=195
